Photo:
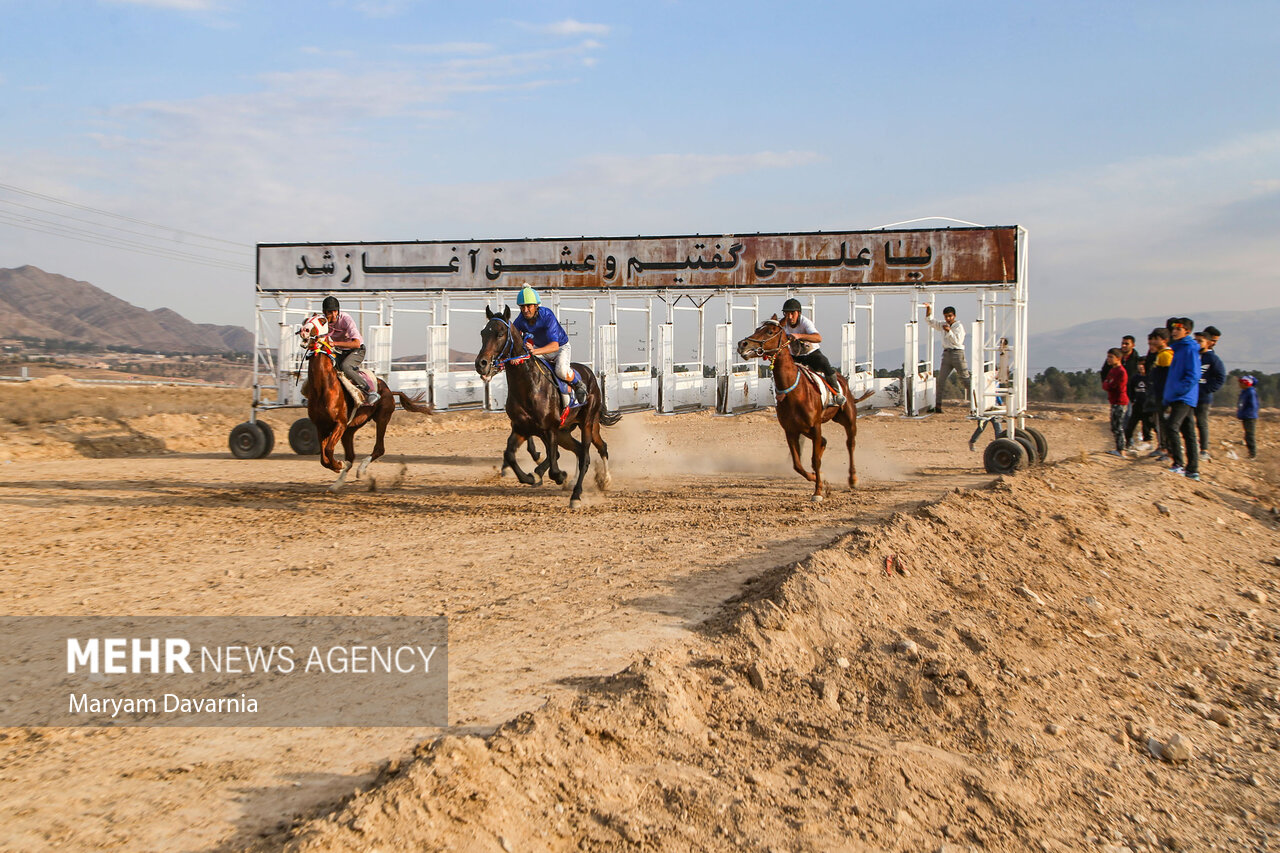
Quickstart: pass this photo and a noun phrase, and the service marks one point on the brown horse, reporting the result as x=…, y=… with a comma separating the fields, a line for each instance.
x=533, y=405
x=330, y=406
x=800, y=409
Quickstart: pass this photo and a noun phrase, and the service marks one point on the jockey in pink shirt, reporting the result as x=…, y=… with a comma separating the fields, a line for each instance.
x=345, y=337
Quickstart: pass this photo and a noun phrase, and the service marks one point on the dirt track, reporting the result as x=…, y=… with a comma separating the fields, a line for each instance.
x=537, y=597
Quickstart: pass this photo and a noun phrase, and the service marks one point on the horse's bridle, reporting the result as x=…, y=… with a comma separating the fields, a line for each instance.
x=761, y=349
x=508, y=348
x=767, y=353
x=313, y=344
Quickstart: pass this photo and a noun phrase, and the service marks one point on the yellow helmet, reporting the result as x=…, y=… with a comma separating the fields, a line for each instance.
x=528, y=296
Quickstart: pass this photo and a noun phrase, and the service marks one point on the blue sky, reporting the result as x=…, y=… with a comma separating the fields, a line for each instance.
x=1138, y=142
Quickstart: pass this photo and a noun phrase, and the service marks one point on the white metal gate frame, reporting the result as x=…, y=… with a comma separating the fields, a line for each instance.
x=998, y=375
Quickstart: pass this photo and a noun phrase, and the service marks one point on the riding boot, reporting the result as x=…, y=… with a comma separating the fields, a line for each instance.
x=579, y=388
x=839, y=399
x=371, y=397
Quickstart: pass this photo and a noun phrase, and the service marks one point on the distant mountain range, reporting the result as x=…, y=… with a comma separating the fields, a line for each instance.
x=34, y=303
x=1250, y=340
x=37, y=304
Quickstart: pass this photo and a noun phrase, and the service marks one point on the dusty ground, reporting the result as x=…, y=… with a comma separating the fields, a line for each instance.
x=827, y=706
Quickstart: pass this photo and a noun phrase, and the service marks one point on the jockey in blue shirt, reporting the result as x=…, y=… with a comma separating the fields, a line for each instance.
x=543, y=335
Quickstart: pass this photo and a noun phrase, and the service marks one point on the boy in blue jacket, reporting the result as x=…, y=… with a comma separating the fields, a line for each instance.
x=1181, y=393
x=1213, y=375
x=1247, y=412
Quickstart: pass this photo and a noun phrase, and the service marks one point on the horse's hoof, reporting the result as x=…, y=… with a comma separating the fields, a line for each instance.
x=816, y=498
x=575, y=504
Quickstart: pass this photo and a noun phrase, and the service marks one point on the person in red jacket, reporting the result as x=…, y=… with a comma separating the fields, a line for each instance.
x=1116, y=383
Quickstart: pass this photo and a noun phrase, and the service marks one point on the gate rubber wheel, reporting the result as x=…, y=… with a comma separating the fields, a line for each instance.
x=270, y=436
x=1028, y=447
x=1004, y=456
x=1042, y=445
x=303, y=437
x=247, y=441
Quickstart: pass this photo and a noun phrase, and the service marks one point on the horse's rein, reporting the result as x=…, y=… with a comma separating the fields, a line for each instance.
x=760, y=350
x=318, y=344
x=503, y=358
x=770, y=354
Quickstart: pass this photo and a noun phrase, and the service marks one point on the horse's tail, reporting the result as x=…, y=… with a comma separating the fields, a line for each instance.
x=609, y=418
x=414, y=403
x=863, y=397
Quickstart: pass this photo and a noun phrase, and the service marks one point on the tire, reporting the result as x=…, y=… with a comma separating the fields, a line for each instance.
x=303, y=438
x=1028, y=447
x=1004, y=456
x=1042, y=445
x=247, y=441
x=270, y=436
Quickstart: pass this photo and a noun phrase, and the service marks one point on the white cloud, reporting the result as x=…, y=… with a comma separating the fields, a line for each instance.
x=465, y=47
x=1149, y=235
x=177, y=5
x=567, y=27
x=668, y=171
x=378, y=8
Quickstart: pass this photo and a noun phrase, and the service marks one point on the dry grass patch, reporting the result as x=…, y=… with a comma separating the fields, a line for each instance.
x=31, y=404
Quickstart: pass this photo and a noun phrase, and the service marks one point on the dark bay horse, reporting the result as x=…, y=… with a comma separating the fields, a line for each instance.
x=329, y=405
x=800, y=409
x=533, y=405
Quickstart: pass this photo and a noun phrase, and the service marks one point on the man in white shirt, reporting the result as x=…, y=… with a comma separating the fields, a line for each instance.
x=805, y=337
x=952, y=350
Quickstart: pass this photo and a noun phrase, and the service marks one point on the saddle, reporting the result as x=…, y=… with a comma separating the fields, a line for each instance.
x=561, y=386
x=357, y=396
x=825, y=392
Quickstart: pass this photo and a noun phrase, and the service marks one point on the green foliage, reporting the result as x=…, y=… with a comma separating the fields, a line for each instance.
x=1085, y=386
x=1268, y=388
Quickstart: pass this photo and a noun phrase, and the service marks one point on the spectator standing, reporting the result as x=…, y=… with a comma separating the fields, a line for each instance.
x=1116, y=384
x=952, y=350
x=1181, y=392
x=1212, y=377
x=1138, y=398
x=1247, y=412
x=1157, y=372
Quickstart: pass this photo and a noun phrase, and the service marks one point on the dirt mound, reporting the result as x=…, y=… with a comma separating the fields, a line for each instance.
x=53, y=380
x=1081, y=656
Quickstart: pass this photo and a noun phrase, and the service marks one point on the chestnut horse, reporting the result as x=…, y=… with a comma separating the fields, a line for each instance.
x=533, y=405
x=329, y=405
x=800, y=409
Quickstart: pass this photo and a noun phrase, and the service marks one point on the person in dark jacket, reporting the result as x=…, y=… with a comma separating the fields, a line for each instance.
x=1157, y=370
x=1138, y=398
x=1181, y=392
x=1247, y=412
x=1212, y=377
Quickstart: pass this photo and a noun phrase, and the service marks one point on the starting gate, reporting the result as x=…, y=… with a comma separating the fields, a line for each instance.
x=657, y=318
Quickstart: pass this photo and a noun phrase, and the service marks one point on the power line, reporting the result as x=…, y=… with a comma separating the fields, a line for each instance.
x=239, y=249
x=32, y=194
x=174, y=244
x=69, y=232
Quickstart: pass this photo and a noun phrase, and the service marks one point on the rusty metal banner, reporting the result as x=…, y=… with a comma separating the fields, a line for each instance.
x=925, y=257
